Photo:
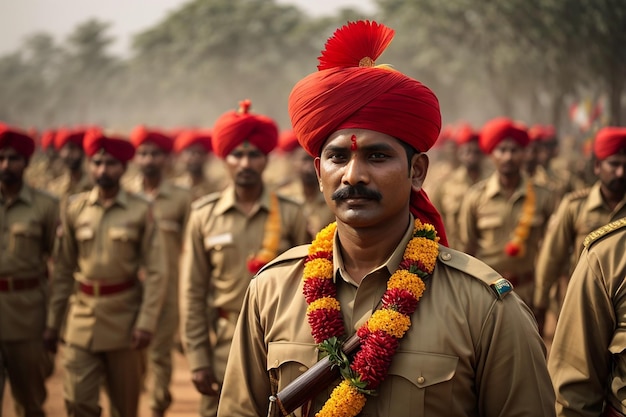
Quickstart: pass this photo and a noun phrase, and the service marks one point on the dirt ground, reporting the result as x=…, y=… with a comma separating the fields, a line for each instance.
x=186, y=398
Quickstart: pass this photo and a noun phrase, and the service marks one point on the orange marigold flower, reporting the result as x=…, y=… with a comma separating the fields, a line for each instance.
x=318, y=268
x=403, y=279
x=324, y=240
x=344, y=401
x=327, y=303
x=392, y=322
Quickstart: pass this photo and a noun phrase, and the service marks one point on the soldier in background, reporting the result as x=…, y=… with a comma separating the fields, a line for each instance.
x=230, y=236
x=579, y=214
x=108, y=240
x=193, y=147
x=28, y=221
x=170, y=208
x=45, y=164
x=449, y=193
x=303, y=185
x=503, y=218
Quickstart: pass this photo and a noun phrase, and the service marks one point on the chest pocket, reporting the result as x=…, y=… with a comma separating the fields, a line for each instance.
x=25, y=241
x=288, y=361
x=220, y=248
x=124, y=241
x=414, y=375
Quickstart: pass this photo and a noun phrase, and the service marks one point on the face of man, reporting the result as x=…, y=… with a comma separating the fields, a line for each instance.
x=150, y=159
x=304, y=166
x=106, y=170
x=611, y=172
x=470, y=155
x=246, y=164
x=508, y=157
x=365, y=177
x=12, y=166
x=193, y=159
x=72, y=156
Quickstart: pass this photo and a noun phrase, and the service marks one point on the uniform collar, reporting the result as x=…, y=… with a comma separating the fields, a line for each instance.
x=120, y=199
x=493, y=187
x=392, y=263
x=25, y=195
x=228, y=201
x=595, y=199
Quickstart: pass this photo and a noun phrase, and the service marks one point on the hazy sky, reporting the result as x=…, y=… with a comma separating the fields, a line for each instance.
x=19, y=18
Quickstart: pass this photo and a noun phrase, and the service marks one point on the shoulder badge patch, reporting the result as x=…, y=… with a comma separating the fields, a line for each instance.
x=604, y=231
x=501, y=287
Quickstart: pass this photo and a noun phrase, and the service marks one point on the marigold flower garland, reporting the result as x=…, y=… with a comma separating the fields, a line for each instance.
x=517, y=245
x=271, y=238
x=381, y=333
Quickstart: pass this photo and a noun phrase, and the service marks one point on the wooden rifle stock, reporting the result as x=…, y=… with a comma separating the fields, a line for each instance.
x=311, y=383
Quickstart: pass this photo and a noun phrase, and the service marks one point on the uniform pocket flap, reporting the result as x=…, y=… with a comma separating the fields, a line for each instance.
x=123, y=234
x=423, y=369
x=25, y=229
x=280, y=353
x=169, y=225
x=618, y=343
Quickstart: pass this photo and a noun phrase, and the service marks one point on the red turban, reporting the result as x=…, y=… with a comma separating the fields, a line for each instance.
x=141, y=135
x=235, y=127
x=349, y=91
x=47, y=139
x=16, y=139
x=541, y=133
x=287, y=141
x=499, y=129
x=187, y=138
x=119, y=148
x=609, y=141
x=65, y=136
x=465, y=134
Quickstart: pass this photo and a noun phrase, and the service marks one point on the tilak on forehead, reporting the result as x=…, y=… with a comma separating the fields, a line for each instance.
x=353, y=146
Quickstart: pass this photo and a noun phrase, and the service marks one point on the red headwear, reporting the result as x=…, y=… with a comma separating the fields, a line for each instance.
x=465, y=134
x=541, y=133
x=235, y=127
x=499, y=129
x=65, y=136
x=189, y=137
x=287, y=141
x=141, y=135
x=609, y=141
x=16, y=139
x=47, y=139
x=349, y=91
x=119, y=148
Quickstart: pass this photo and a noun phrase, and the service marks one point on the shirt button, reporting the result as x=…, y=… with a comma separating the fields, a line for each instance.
x=421, y=380
x=446, y=256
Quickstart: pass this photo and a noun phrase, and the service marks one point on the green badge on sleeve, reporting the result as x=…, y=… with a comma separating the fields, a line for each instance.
x=502, y=287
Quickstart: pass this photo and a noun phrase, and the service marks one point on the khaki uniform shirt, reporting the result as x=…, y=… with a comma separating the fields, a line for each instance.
x=468, y=352
x=487, y=221
x=170, y=208
x=107, y=246
x=205, y=187
x=214, y=275
x=316, y=211
x=588, y=355
x=447, y=198
x=27, y=230
x=579, y=214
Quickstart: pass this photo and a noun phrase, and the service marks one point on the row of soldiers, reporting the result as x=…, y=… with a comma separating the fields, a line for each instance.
x=131, y=247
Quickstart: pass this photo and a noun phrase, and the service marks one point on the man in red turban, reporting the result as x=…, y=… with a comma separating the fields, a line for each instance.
x=29, y=220
x=379, y=276
x=108, y=315
x=230, y=236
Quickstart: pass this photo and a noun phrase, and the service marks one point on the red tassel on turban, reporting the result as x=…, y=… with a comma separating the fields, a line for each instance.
x=348, y=91
x=499, y=129
x=609, y=141
x=119, y=148
x=235, y=127
x=16, y=139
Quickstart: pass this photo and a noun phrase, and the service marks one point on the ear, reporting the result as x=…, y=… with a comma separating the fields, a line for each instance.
x=316, y=162
x=419, y=168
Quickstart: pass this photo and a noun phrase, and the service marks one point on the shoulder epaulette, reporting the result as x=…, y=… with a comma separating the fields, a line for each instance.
x=603, y=231
x=203, y=201
x=295, y=253
x=578, y=194
x=500, y=287
x=76, y=197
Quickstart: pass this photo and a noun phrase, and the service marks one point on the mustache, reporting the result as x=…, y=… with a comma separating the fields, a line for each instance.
x=355, y=191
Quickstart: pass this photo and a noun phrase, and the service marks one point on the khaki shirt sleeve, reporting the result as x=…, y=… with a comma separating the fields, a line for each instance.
x=195, y=271
x=554, y=253
x=246, y=382
x=155, y=276
x=65, y=263
x=580, y=357
x=468, y=230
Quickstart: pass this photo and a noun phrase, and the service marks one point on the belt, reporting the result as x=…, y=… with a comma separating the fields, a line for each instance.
x=610, y=411
x=96, y=289
x=10, y=284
